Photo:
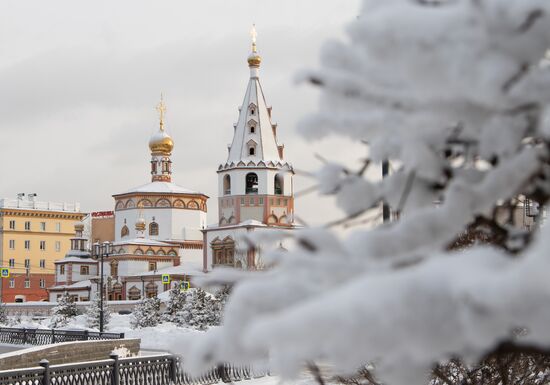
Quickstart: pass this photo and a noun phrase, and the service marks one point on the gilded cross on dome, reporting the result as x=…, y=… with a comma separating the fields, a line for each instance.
x=161, y=108
x=253, y=35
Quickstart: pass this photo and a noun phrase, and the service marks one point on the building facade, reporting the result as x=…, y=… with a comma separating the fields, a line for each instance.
x=255, y=184
x=33, y=235
x=77, y=273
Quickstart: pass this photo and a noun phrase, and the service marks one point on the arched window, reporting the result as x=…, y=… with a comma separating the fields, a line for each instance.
x=252, y=151
x=153, y=228
x=226, y=185
x=124, y=232
x=251, y=183
x=279, y=184
x=252, y=129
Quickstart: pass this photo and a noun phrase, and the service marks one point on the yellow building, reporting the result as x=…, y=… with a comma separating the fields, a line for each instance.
x=33, y=235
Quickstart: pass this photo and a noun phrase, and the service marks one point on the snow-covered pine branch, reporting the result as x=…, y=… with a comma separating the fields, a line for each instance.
x=456, y=94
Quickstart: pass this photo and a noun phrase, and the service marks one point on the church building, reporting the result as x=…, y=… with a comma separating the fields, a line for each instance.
x=157, y=229
x=254, y=184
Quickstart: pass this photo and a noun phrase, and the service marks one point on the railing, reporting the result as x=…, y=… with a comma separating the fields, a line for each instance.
x=163, y=369
x=51, y=336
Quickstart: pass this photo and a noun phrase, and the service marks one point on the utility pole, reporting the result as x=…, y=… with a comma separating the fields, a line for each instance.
x=386, y=212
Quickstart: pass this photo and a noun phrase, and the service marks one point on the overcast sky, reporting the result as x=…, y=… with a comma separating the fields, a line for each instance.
x=79, y=82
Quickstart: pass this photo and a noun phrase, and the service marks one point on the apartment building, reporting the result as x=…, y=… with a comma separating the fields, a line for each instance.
x=33, y=235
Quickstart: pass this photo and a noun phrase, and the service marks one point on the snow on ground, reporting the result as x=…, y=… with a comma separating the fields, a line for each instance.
x=153, y=339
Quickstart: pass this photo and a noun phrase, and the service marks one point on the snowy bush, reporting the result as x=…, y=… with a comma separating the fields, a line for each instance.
x=456, y=94
x=146, y=313
x=175, y=304
x=3, y=314
x=93, y=313
x=200, y=311
x=63, y=312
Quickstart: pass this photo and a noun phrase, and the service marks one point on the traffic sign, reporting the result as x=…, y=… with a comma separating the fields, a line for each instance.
x=4, y=272
x=185, y=285
x=166, y=278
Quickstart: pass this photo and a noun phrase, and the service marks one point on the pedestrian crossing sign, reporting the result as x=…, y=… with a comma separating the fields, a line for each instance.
x=185, y=285
x=5, y=272
x=166, y=278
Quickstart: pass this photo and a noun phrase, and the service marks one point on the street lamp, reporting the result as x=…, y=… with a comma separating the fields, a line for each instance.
x=101, y=250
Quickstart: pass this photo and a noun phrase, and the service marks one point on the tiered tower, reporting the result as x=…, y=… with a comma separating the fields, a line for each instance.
x=255, y=183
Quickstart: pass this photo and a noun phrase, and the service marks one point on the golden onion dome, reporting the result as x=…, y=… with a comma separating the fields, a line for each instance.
x=254, y=59
x=140, y=224
x=161, y=143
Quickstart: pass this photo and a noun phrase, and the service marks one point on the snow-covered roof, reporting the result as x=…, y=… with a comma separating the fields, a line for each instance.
x=78, y=253
x=141, y=241
x=191, y=265
x=160, y=187
x=75, y=259
x=76, y=285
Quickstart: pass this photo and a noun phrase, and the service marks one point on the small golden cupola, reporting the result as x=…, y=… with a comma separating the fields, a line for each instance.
x=254, y=59
x=161, y=142
x=161, y=146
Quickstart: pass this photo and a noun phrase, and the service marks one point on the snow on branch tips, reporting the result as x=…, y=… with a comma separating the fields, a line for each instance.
x=456, y=95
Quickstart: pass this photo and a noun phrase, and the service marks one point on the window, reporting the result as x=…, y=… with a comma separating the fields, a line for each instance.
x=261, y=201
x=42, y=245
x=27, y=225
x=43, y=263
x=152, y=266
x=224, y=251
x=252, y=129
x=84, y=270
x=252, y=151
x=251, y=201
x=62, y=269
x=12, y=225
x=27, y=263
x=114, y=269
x=226, y=185
x=242, y=201
x=27, y=245
x=58, y=227
x=279, y=183
x=12, y=244
x=251, y=183
x=12, y=283
x=12, y=262
x=124, y=232
x=57, y=246
x=43, y=226
x=27, y=283
x=252, y=111
x=153, y=228
x=42, y=283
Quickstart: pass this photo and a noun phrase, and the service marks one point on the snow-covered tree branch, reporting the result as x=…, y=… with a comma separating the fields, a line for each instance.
x=456, y=94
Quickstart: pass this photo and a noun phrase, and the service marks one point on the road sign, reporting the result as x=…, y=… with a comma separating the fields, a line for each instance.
x=4, y=272
x=185, y=285
x=166, y=278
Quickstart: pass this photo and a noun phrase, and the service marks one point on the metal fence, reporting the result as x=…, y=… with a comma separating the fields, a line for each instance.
x=162, y=369
x=25, y=336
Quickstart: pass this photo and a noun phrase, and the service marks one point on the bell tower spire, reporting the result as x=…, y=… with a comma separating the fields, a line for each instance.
x=161, y=146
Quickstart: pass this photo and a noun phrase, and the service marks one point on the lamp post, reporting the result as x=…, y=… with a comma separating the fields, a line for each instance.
x=100, y=251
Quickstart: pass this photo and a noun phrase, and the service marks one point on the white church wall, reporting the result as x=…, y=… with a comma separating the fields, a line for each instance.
x=76, y=276
x=173, y=223
x=186, y=224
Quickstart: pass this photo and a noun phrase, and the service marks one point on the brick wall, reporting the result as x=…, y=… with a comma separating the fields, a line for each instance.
x=66, y=352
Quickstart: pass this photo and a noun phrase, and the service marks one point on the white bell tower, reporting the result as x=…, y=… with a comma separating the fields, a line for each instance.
x=255, y=183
